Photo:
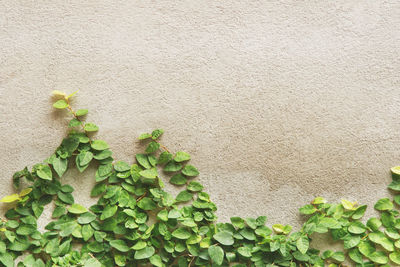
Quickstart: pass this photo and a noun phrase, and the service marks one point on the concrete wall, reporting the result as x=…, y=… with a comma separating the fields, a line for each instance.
x=277, y=101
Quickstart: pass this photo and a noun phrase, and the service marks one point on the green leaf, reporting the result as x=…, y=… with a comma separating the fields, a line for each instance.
x=95, y=247
x=181, y=233
x=251, y=222
x=155, y=260
x=81, y=112
x=77, y=209
x=152, y=147
x=60, y=104
x=139, y=245
x=108, y=212
x=384, y=204
x=144, y=136
x=374, y=224
x=381, y=239
x=307, y=209
x=245, y=252
x=356, y=228
x=164, y=157
x=351, y=241
x=149, y=173
x=181, y=156
x=103, y=154
x=143, y=161
x=224, y=237
x=355, y=255
x=216, y=254
x=147, y=203
x=37, y=209
x=302, y=244
x=119, y=245
x=184, y=196
x=90, y=127
x=248, y=233
x=60, y=165
x=58, y=211
x=122, y=166
x=84, y=158
x=261, y=220
x=366, y=248
x=379, y=257
x=338, y=256
x=178, y=179
x=67, y=188
x=238, y=222
x=172, y=166
x=98, y=189
x=7, y=260
x=190, y=170
x=44, y=172
x=103, y=172
x=86, y=218
x=359, y=212
x=144, y=253
x=395, y=185
x=195, y=186
x=157, y=133
x=65, y=197
x=395, y=257
x=70, y=144
x=92, y=262
x=99, y=145
x=26, y=229
x=74, y=123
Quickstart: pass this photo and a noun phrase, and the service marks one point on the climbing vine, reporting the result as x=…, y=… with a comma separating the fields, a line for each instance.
x=136, y=222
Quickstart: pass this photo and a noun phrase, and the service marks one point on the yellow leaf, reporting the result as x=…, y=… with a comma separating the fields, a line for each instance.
x=59, y=93
x=318, y=200
x=10, y=198
x=71, y=95
x=349, y=205
x=3, y=229
x=25, y=191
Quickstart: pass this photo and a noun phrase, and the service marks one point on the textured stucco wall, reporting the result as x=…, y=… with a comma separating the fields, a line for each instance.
x=277, y=101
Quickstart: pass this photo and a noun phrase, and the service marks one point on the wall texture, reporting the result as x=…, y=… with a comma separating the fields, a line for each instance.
x=277, y=101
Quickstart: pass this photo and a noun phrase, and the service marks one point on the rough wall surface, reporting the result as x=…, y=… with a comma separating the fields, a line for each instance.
x=277, y=101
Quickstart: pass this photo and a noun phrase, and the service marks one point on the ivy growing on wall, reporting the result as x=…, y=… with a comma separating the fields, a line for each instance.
x=136, y=222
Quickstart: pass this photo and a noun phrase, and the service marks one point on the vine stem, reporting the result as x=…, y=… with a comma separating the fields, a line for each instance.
x=142, y=196
x=77, y=118
x=162, y=146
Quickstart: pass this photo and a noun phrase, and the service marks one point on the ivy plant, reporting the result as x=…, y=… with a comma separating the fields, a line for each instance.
x=137, y=223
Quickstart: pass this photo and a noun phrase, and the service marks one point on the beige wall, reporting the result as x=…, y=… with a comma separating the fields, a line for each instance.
x=277, y=101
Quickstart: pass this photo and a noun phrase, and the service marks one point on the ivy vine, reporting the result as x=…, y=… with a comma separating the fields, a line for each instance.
x=136, y=222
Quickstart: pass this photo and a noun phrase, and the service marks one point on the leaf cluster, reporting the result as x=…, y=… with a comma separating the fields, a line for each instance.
x=136, y=222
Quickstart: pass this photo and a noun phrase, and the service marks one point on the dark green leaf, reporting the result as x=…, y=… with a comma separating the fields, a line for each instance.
x=172, y=166
x=157, y=133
